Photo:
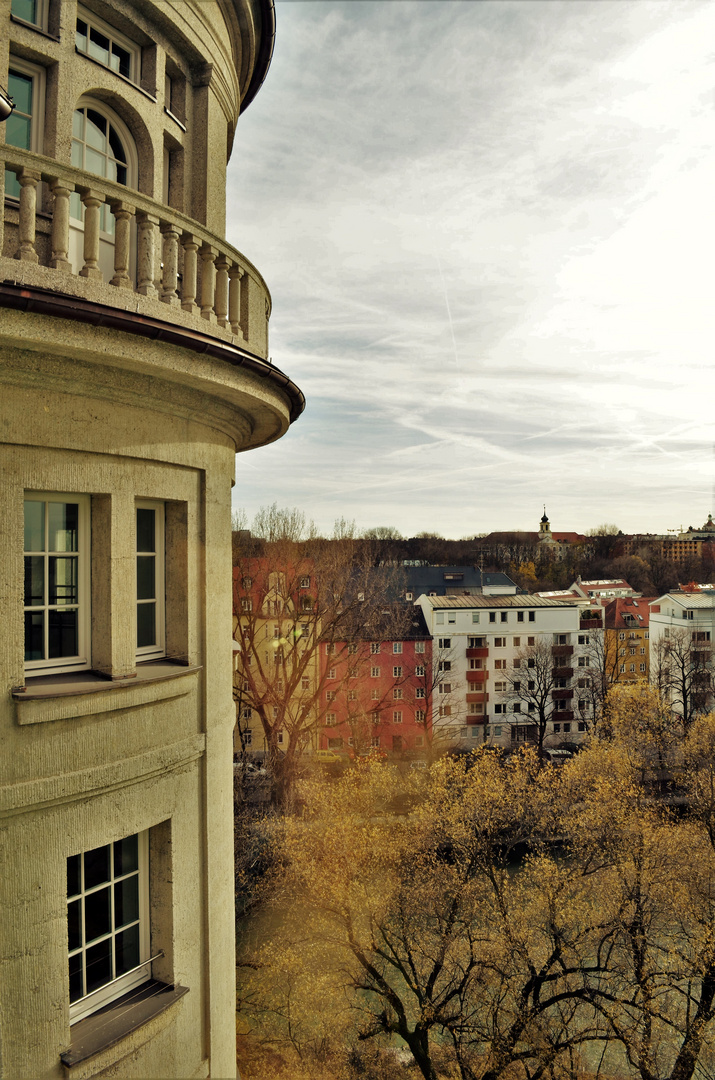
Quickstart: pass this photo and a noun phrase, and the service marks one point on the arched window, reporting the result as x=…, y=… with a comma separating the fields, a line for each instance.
x=101, y=144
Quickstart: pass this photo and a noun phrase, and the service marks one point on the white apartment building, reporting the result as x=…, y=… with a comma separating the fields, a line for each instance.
x=682, y=626
x=476, y=640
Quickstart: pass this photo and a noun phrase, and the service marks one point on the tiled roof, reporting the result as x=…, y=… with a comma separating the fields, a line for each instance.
x=518, y=601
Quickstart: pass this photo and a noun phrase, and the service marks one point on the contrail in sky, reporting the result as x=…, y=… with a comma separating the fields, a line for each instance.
x=449, y=313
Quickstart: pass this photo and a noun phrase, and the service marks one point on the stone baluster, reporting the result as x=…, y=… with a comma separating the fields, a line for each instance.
x=208, y=282
x=92, y=201
x=123, y=214
x=234, y=299
x=188, y=280
x=245, y=305
x=28, y=210
x=170, y=258
x=147, y=224
x=61, y=225
x=221, y=300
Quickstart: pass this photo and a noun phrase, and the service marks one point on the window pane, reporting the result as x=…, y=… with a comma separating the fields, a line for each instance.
x=97, y=914
x=62, y=520
x=127, y=956
x=62, y=637
x=126, y=855
x=25, y=9
x=145, y=529
x=115, y=145
x=95, y=162
x=34, y=635
x=78, y=117
x=34, y=580
x=96, y=130
x=96, y=866
x=126, y=901
x=34, y=525
x=121, y=61
x=63, y=580
x=146, y=625
x=146, y=589
x=18, y=131
x=20, y=88
x=76, y=977
x=73, y=875
x=74, y=925
x=98, y=46
x=99, y=965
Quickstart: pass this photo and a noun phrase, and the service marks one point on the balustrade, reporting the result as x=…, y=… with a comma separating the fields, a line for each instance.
x=180, y=267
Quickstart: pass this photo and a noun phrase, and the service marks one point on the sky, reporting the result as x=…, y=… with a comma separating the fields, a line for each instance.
x=487, y=229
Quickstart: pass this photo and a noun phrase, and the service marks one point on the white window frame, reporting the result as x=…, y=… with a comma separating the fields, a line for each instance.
x=158, y=649
x=419, y=646
x=37, y=117
x=41, y=21
x=396, y=647
x=82, y=660
x=115, y=37
x=90, y=1003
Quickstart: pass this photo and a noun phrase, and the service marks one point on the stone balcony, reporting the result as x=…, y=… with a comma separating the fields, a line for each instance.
x=171, y=278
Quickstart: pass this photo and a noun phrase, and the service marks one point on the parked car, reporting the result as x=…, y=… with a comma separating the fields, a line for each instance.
x=326, y=756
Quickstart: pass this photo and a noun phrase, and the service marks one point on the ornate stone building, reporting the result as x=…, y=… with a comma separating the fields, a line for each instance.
x=133, y=366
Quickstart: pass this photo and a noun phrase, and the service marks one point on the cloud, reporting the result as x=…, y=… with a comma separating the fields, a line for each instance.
x=487, y=232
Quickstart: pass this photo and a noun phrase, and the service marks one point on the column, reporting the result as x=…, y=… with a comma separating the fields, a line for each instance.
x=188, y=281
x=123, y=214
x=221, y=301
x=234, y=299
x=147, y=226
x=61, y=226
x=92, y=201
x=28, y=207
x=208, y=282
x=170, y=258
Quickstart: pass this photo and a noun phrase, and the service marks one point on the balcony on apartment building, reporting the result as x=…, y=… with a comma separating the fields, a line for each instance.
x=561, y=650
x=131, y=264
x=562, y=672
x=561, y=695
x=479, y=675
x=473, y=699
x=476, y=654
x=563, y=716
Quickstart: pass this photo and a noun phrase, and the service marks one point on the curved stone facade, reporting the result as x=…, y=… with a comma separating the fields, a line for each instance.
x=133, y=367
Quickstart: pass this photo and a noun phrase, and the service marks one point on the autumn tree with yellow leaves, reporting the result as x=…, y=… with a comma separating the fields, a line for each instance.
x=503, y=919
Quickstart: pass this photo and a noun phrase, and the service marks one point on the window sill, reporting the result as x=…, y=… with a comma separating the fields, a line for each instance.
x=84, y=693
x=115, y=1022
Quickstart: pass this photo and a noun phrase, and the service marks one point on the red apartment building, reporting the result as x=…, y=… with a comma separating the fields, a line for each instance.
x=378, y=688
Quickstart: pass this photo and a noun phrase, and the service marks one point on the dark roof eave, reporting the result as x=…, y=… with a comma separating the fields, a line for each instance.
x=265, y=51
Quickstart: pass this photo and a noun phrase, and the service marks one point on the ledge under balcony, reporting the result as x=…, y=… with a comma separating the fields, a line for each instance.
x=168, y=278
x=473, y=699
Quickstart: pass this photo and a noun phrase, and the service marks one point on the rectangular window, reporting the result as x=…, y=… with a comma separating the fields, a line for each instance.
x=584, y=661
x=497, y=730
x=107, y=46
x=397, y=672
x=397, y=693
x=583, y=639
x=305, y=683
x=397, y=717
x=492, y=616
x=532, y=616
x=329, y=648
x=517, y=706
x=642, y=667
x=500, y=665
x=445, y=688
x=439, y=618
x=374, y=648
x=499, y=708
x=419, y=670
x=375, y=695
x=107, y=923
x=420, y=692
x=331, y=673
x=530, y=641
x=475, y=643
x=375, y=742
x=581, y=725
x=445, y=710
x=33, y=12
x=24, y=125
x=451, y=616
x=57, y=582
x=476, y=665
x=500, y=687
x=305, y=583
x=419, y=716
x=475, y=616
x=516, y=642
x=557, y=728
x=504, y=615
x=444, y=643
x=352, y=649
x=374, y=673
x=567, y=729
x=352, y=695
x=150, y=580
x=419, y=646
x=444, y=665
x=397, y=646
x=330, y=719
x=500, y=643
x=330, y=695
